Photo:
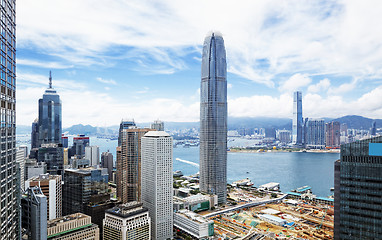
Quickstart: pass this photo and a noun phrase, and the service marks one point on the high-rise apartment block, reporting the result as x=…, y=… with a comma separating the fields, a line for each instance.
x=9, y=222
x=108, y=163
x=51, y=187
x=358, y=190
x=129, y=163
x=127, y=221
x=333, y=134
x=284, y=136
x=315, y=133
x=297, y=128
x=92, y=153
x=76, y=226
x=158, y=125
x=157, y=182
x=49, y=116
x=34, y=213
x=213, y=118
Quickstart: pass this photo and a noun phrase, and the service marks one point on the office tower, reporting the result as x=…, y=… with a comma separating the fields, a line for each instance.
x=92, y=153
x=270, y=133
x=65, y=157
x=157, y=125
x=49, y=116
x=24, y=148
x=53, y=155
x=79, y=186
x=34, y=134
x=76, y=226
x=213, y=118
x=157, y=182
x=125, y=124
x=373, y=129
x=129, y=164
x=333, y=134
x=20, y=160
x=51, y=187
x=107, y=162
x=65, y=141
x=79, y=144
x=284, y=136
x=315, y=132
x=127, y=221
x=34, y=213
x=34, y=168
x=9, y=223
x=357, y=190
x=297, y=129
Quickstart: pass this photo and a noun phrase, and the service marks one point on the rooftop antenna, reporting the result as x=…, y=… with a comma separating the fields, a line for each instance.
x=50, y=79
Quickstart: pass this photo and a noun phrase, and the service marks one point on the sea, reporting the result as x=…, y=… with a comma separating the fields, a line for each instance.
x=291, y=169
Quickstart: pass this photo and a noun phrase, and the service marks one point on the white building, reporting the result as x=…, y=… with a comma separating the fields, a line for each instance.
x=157, y=182
x=127, y=221
x=193, y=224
x=20, y=160
x=92, y=154
x=51, y=186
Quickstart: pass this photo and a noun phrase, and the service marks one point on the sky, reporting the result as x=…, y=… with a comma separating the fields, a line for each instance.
x=141, y=59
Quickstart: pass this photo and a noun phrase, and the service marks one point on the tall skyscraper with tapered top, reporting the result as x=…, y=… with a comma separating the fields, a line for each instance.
x=297, y=128
x=213, y=118
x=9, y=222
x=49, y=116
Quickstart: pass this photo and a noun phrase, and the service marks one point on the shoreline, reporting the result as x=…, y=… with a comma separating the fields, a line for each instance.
x=234, y=150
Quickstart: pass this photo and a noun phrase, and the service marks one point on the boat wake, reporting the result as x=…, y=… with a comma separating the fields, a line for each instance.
x=188, y=162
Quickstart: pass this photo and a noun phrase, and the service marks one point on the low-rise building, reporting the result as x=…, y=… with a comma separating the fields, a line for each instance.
x=73, y=227
x=193, y=224
x=198, y=202
x=272, y=219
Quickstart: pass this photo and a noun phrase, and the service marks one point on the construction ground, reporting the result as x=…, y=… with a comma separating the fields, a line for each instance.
x=302, y=220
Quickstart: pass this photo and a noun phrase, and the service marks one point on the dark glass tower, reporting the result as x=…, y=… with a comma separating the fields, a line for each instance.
x=297, y=128
x=358, y=190
x=49, y=116
x=9, y=209
x=213, y=118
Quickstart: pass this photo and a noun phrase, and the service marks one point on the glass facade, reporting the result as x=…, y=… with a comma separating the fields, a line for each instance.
x=358, y=191
x=213, y=118
x=9, y=210
x=49, y=116
x=297, y=119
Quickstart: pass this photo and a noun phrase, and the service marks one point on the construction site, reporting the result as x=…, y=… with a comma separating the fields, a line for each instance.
x=288, y=219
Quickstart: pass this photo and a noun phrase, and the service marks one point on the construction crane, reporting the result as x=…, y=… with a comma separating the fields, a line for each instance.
x=322, y=220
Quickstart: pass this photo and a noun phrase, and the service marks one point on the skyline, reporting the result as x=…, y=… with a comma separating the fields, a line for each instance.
x=113, y=63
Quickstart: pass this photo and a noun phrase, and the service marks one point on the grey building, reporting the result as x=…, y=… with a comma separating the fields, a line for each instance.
x=79, y=144
x=34, y=168
x=107, y=162
x=358, y=190
x=9, y=223
x=34, y=213
x=373, y=129
x=213, y=118
x=125, y=124
x=49, y=116
x=157, y=125
x=315, y=133
x=53, y=155
x=297, y=128
x=34, y=134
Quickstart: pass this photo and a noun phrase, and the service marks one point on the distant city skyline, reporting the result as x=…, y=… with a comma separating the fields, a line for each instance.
x=107, y=67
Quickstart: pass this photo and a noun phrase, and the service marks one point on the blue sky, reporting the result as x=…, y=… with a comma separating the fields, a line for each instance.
x=141, y=59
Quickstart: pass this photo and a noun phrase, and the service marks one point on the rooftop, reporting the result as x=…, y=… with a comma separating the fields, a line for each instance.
x=157, y=134
x=192, y=216
x=128, y=209
x=72, y=217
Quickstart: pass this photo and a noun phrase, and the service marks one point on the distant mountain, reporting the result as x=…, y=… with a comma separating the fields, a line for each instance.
x=358, y=122
x=234, y=123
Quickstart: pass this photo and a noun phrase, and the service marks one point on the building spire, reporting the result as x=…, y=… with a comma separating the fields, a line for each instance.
x=50, y=79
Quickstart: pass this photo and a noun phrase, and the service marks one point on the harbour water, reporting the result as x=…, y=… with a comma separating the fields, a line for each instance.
x=290, y=169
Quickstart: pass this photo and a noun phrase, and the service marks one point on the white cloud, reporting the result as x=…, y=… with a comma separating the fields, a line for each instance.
x=106, y=81
x=323, y=85
x=34, y=63
x=229, y=85
x=295, y=82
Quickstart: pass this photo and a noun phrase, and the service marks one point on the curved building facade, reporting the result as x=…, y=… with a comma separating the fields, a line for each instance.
x=213, y=118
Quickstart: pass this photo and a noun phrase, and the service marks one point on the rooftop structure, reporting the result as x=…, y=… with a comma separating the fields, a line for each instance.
x=270, y=186
x=193, y=224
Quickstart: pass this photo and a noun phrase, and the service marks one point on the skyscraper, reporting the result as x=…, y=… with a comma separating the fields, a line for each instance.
x=49, y=116
x=333, y=134
x=9, y=223
x=213, y=118
x=157, y=182
x=34, y=135
x=92, y=153
x=297, y=129
x=125, y=124
x=357, y=190
x=373, y=129
x=315, y=133
x=158, y=125
x=107, y=162
x=129, y=163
